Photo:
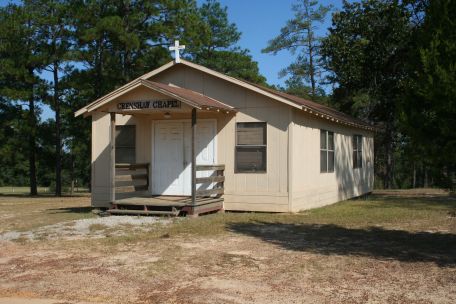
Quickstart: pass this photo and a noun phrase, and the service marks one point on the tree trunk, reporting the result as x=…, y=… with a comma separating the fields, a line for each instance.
x=414, y=176
x=312, y=72
x=58, y=139
x=72, y=173
x=387, y=183
x=425, y=178
x=311, y=64
x=32, y=145
x=98, y=64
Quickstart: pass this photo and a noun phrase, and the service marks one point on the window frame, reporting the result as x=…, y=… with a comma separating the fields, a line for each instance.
x=263, y=146
x=117, y=146
x=328, y=151
x=358, y=160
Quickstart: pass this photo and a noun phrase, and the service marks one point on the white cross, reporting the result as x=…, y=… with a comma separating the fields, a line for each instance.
x=176, y=49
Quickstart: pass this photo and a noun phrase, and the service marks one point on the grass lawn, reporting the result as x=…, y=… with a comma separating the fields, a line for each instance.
x=25, y=213
x=392, y=247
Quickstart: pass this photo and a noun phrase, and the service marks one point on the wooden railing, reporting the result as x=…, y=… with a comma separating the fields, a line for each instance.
x=131, y=179
x=218, y=179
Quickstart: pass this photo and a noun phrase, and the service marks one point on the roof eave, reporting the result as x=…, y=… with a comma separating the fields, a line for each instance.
x=122, y=88
x=337, y=120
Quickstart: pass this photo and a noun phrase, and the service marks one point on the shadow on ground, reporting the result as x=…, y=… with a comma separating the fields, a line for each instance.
x=439, y=248
x=87, y=209
x=417, y=203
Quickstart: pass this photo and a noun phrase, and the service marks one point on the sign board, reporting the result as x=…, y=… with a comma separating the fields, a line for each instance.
x=149, y=104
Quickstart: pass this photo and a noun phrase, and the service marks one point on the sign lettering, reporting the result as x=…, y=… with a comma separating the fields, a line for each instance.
x=149, y=104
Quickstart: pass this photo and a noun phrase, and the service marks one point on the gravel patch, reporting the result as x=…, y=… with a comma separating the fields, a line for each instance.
x=94, y=228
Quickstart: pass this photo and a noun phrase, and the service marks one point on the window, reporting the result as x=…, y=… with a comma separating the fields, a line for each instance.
x=357, y=151
x=126, y=144
x=326, y=151
x=250, y=155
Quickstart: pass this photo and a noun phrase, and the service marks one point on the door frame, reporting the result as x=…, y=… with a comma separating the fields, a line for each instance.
x=152, y=142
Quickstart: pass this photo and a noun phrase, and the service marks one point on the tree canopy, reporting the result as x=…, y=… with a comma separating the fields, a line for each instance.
x=67, y=53
x=429, y=107
x=368, y=43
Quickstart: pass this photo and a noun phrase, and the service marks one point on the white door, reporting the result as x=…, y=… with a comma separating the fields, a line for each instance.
x=205, y=151
x=171, y=172
x=168, y=166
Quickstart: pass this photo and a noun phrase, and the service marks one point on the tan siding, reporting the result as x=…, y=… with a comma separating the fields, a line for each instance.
x=255, y=191
x=312, y=188
x=101, y=195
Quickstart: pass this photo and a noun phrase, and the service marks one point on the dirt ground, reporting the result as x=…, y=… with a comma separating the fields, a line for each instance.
x=372, y=254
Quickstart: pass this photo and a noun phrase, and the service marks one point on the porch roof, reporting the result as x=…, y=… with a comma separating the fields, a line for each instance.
x=192, y=98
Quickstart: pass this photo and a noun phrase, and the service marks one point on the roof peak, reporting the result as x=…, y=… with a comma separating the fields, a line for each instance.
x=311, y=107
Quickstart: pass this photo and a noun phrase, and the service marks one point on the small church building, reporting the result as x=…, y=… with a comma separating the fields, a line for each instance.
x=186, y=139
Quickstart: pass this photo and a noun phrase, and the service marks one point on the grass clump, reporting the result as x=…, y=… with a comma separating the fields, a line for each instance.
x=97, y=227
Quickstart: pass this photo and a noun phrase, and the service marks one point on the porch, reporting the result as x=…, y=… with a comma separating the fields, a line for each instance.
x=133, y=198
x=175, y=148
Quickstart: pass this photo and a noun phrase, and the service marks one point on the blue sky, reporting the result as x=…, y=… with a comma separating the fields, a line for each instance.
x=258, y=21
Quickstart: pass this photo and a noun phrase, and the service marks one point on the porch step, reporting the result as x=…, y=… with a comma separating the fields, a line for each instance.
x=143, y=212
x=156, y=206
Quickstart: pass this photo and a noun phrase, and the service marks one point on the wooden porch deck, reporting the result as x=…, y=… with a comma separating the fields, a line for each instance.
x=166, y=205
x=156, y=200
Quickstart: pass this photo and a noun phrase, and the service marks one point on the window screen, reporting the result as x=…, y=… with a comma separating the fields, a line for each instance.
x=357, y=151
x=326, y=151
x=250, y=152
x=126, y=144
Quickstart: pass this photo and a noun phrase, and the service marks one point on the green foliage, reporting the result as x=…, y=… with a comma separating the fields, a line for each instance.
x=429, y=110
x=18, y=56
x=295, y=87
x=237, y=63
x=366, y=50
x=394, y=64
x=20, y=60
x=216, y=32
x=12, y=146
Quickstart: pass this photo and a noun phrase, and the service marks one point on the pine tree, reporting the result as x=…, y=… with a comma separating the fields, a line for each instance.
x=54, y=44
x=299, y=37
x=19, y=63
x=430, y=107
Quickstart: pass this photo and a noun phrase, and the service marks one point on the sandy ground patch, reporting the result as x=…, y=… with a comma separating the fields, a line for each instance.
x=16, y=300
x=228, y=269
x=93, y=228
